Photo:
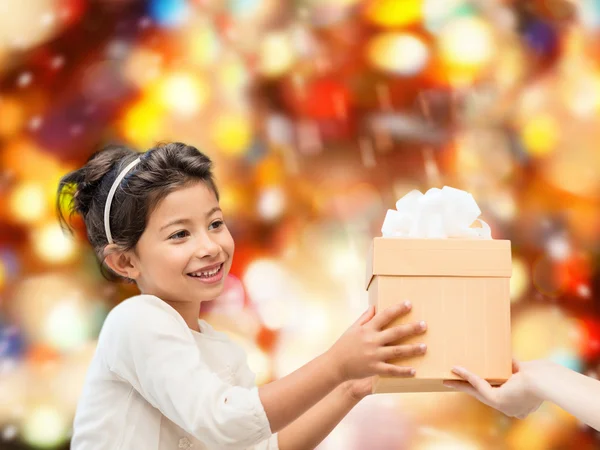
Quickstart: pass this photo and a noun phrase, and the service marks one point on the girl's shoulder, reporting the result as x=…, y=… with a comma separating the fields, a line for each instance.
x=210, y=332
x=143, y=304
x=143, y=312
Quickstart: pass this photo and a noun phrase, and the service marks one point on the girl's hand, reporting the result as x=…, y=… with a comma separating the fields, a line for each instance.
x=514, y=398
x=364, y=349
x=360, y=388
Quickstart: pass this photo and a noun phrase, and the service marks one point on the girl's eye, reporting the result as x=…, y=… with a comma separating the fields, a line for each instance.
x=179, y=235
x=217, y=224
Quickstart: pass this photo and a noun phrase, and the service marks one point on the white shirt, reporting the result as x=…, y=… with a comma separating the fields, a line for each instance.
x=155, y=384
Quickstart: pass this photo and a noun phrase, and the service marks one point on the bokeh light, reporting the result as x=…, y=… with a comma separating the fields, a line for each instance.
x=28, y=202
x=519, y=281
x=52, y=245
x=13, y=116
x=276, y=54
x=390, y=13
x=143, y=123
x=143, y=67
x=271, y=203
x=233, y=77
x=56, y=310
x=2, y=274
x=183, y=93
x=466, y=47
x=399, y=53
x=23, y=26
x=272, y=290
x=67, y=325
x=232, y=133
x=437, y=13
x=538, y=331
x=204, y=45
x=540, y=134
x=45, y=427
x=169, y=13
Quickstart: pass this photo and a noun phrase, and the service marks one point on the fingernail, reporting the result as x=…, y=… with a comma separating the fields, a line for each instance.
x=412, y=371
x=422, y=347
x=448, y=385
x=423, y=325
x=407, y=304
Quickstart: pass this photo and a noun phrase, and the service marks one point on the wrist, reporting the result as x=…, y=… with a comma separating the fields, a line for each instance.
x=334, y=368
x=352, y=395
x=534, y=374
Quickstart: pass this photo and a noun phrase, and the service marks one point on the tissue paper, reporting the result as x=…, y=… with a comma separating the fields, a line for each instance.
x=437, y=214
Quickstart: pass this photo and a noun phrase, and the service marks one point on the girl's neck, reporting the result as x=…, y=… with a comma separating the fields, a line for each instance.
x=189, y=311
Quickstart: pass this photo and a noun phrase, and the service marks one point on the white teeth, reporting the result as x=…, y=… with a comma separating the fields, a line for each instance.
x=206, y=273
x=212, y=272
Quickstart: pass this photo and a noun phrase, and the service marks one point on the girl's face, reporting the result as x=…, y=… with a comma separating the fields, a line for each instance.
x=186, y=249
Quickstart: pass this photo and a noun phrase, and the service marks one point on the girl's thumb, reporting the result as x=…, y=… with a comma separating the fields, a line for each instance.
x=366, y=316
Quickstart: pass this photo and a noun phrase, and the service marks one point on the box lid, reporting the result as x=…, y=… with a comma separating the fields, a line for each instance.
x=438, y=257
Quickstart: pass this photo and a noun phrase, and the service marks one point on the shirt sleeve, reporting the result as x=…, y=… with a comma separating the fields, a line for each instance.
x=152, y=350
x=247, y=378
x=270, y=444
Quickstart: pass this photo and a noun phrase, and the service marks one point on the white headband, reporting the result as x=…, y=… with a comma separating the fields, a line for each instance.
x=111, y=194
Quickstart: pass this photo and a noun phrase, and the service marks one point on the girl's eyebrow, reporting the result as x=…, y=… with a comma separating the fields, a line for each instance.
x=183, y=221
x=175, y=222
x=212, y=211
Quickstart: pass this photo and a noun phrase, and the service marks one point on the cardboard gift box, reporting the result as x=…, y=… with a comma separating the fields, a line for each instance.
x=460, y=287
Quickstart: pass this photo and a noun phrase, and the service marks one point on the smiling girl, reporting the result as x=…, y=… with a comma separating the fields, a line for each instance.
x=163, y=379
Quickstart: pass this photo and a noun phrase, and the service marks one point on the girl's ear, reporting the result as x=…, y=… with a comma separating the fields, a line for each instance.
x=121, y=262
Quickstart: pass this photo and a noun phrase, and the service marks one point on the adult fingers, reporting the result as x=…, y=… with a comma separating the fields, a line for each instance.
x=481, y=386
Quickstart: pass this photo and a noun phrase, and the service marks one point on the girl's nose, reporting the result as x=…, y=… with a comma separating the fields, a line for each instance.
x=208, y=247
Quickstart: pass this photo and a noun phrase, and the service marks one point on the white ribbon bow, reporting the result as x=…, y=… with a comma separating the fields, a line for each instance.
x=437, y=214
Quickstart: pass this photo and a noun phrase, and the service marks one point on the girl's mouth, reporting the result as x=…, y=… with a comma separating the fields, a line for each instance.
x=213, y=275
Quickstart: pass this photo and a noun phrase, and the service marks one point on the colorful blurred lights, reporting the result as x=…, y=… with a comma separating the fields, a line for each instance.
x=232, y=133
x=567, y=359
x=260, y=363
x=439, y=12
x=45, y=427
x=540, y=134
x=538, y=331
x=169, y=13
x=270, y=288
x=589, y=13
x=438, y=440
x=466, y=46
x=204, y=46
x=66, y=327
x=143, y=66
x=276, y=54
x=2, y=274
x=519, y=281
x=271, y=203
x=12, y=115
x=399, y=53
x=143, y=123
x=558, y=248
x=52, y=245
x=183, y=93
x=394, y=13
x=28, y=203
x=9, y=433
x=244, y=8
x=233, y=76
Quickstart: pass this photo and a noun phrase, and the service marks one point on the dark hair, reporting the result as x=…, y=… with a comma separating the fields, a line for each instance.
x=162, y=169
